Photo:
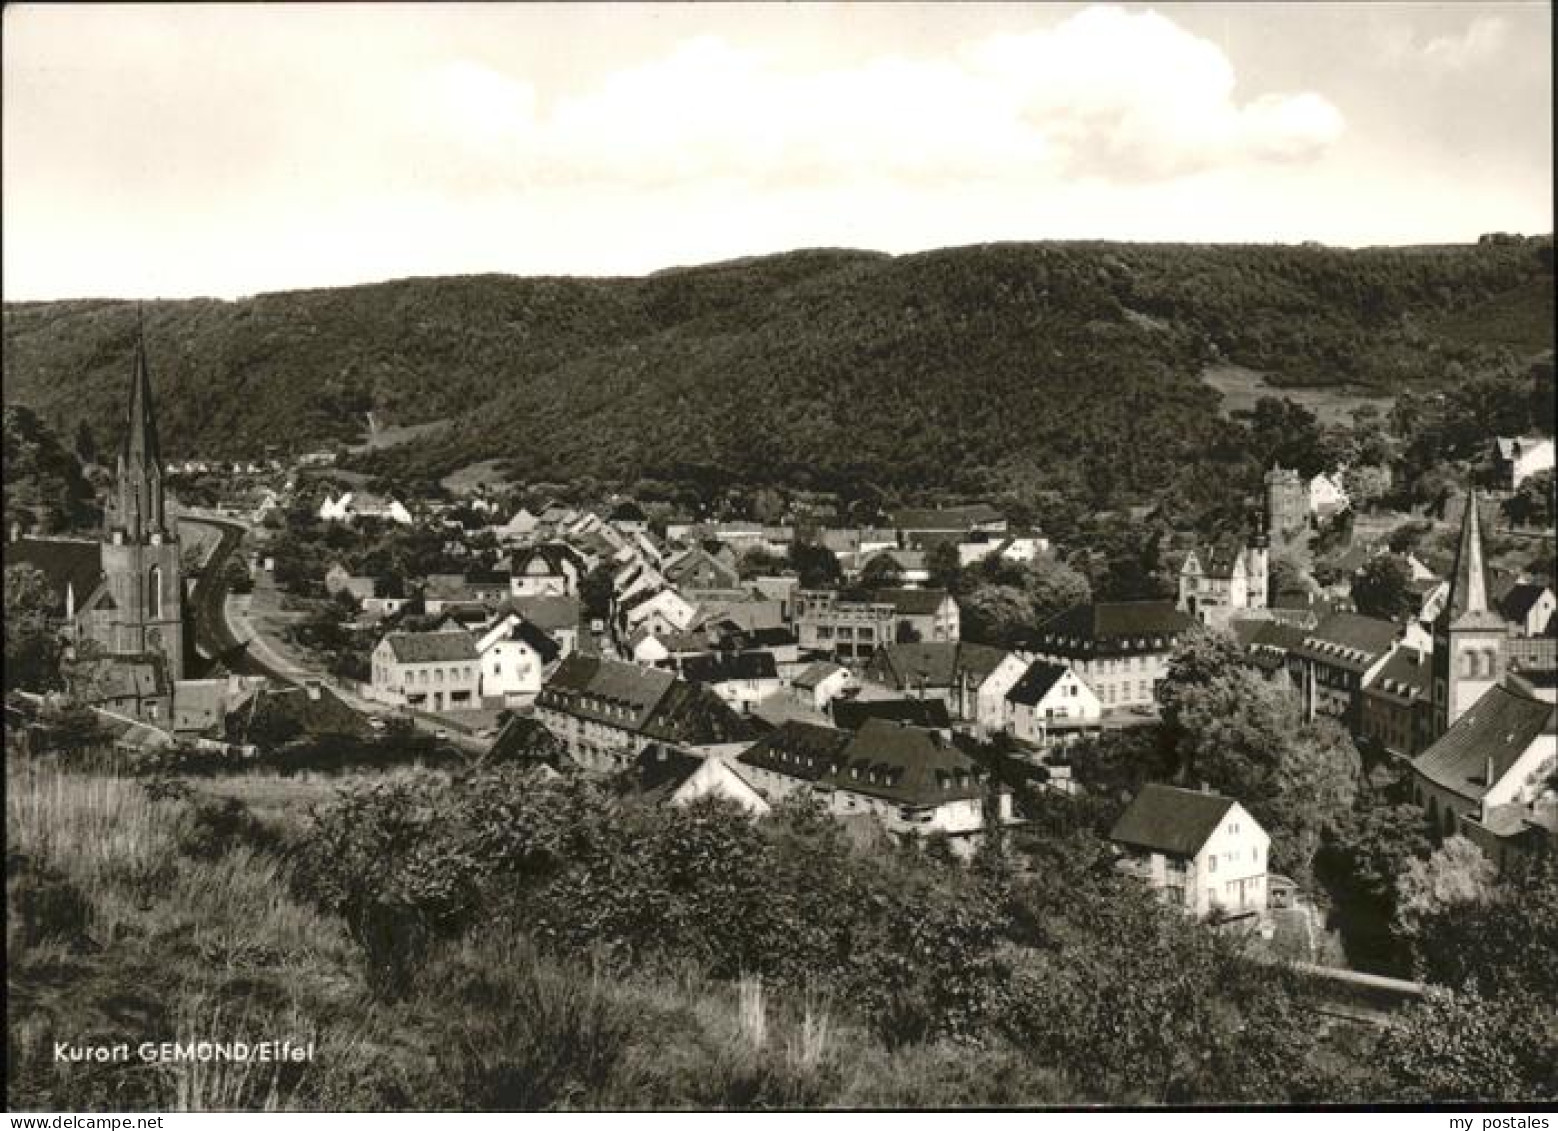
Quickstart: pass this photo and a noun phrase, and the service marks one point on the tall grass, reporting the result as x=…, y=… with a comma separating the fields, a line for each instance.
x=105, y=834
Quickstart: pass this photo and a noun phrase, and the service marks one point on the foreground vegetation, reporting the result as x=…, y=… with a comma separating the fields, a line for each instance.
x=488, y=938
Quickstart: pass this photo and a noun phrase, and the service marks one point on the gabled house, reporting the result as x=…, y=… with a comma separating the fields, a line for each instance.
x=549, y=568
x=960, y=673
x=558, y=617
x=742, y=679
x=930, y=714
x=820, y=683
x=1221, y=580
x=665, y=775
x=698, y=569
x=1527, y=607
x=515, y=656
x=663, y=610
x=1490, y=776
x=354, y=505
x=922, y=614
x=1201, y=851
x=976, y=517
x=1050, y=704
x=1327, y=496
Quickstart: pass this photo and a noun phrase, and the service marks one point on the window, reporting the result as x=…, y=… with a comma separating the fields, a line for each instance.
x=1211, y=862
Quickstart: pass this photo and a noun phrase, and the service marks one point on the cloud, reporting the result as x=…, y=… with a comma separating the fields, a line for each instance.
x=1105, y=93
x=1480, y=42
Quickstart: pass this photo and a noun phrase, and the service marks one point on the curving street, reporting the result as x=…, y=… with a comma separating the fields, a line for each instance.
x=213, y=633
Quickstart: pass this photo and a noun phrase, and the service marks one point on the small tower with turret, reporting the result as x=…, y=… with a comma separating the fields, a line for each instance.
x=1287, y=506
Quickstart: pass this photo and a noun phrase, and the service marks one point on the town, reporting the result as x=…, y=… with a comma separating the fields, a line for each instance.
x=813, y=557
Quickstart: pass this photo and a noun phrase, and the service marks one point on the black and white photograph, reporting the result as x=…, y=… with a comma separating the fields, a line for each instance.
x=780, y=557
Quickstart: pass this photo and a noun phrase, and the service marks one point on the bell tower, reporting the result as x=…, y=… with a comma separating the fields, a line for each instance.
x=144, y=609
x=1468, y=656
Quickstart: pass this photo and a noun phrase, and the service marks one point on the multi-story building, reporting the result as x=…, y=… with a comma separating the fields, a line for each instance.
x=849, y=631
x=1050, y=704
x=605, y=712
x=428, y=671
x=1332, y=662
x=1119, y=649
x=1219, y=581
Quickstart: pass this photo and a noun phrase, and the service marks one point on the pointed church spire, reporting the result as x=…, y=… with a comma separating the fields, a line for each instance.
x=140, y=433
x=1468, y=599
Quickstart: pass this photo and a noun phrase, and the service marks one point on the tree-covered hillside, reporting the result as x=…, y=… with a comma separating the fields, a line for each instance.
x=950, y=370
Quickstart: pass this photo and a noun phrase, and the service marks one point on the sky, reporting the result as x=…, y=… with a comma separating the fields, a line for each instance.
x=181, y=150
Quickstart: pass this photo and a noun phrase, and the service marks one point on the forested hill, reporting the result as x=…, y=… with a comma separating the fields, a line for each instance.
x=951, y=369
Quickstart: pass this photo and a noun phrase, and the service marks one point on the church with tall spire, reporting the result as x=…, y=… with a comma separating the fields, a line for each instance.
x=139, y=611
x=1469, y=635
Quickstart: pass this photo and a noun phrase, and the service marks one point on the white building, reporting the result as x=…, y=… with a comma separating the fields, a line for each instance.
x=1327, y=496
x=428, y=671
x=1203, y=852
x=820, y=683
x=1517, y=458
x=356, y=504
x=515, y=655
x=1048, y=701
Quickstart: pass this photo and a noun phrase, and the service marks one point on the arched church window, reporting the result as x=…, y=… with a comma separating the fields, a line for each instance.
x=154, y=592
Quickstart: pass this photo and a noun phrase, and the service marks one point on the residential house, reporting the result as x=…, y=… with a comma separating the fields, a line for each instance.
x=1517, y=458
x=556, y=616
x=1120, y=649
x=354, y=505
x=1527, y=607
x=1051, y=704
x=698, y=569
x=1222, y=580
x=922, y=614
x=428, y=671
x=663, y=774
x=518, y=528
x=1327, y=496
x=820, y=683
x=604, y=711
x=1201, y=851
x=1490, y=777
x=137, y=687
x=1022, y=546
x=931, y=714
x=628, y=517
x=515, y=656
x=663, y=610
x=978, y=517
x=958, y=672
x=443, y=591
x=548, y=568
x=742, y=679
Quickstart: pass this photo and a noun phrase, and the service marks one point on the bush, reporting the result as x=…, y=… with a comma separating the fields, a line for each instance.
x=42, y=905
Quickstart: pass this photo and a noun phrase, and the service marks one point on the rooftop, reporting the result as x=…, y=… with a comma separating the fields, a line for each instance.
x=1170, y=820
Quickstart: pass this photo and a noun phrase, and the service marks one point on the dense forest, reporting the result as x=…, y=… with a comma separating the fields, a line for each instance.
x=963, y=371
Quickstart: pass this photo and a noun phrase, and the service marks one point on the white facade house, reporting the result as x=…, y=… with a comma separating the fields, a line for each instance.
x=355, y=505
x=515, y=656
x=820, y=683
x=1049, y=700
x=718, y=778
x=1517, y=458
x=1327, y=496
x=664, y=611
x=429, y=671
x=991, y=711
x=1201, y=851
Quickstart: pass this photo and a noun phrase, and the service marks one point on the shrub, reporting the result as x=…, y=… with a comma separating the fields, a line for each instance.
x=42, y=905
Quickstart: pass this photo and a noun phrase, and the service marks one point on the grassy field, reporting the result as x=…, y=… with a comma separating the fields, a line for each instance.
x=390, y=435
x=135, y=916
x=467, y=479
x=1242, y=387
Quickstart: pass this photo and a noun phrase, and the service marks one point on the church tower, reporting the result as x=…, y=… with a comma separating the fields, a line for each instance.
x=144, y=607
x=1468, y=656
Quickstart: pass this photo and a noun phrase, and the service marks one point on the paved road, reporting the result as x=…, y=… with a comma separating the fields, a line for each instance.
x=213, y=633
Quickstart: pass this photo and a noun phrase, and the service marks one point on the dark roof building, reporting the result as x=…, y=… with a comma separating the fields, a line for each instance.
x=69, y=566
x=430, y=647
x=853, y=714
x=1113, y=629
x=1035, y=683
x=720, y=667
x=1492, y=735
x=798, y=750
x=951, y=519
x=1173, y=821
